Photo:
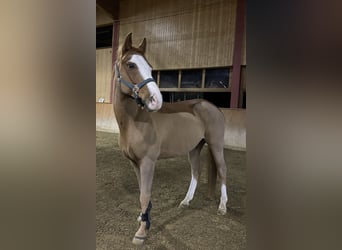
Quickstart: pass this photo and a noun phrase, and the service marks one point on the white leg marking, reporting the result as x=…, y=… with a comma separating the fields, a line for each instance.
x=224, y=199
x=190, y=194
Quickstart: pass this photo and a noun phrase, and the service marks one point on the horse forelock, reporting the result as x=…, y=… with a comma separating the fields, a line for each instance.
x=121, y=57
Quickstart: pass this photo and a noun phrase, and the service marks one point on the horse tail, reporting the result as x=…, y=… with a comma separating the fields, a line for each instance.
x=212, y=175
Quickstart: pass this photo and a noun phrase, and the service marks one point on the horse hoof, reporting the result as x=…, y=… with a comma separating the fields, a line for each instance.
x=221, y=211
x=138, y=240
x=183, y=205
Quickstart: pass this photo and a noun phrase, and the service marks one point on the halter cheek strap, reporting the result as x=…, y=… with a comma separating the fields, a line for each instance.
x=135, y=88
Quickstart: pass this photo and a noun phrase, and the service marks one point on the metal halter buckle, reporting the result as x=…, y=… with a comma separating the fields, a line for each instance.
x=135, y=90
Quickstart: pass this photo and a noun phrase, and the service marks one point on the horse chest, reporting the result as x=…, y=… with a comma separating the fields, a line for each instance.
x=138, y=142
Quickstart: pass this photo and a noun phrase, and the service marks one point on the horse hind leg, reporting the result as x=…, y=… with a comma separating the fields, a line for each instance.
x=218, y=155
x=194, y=159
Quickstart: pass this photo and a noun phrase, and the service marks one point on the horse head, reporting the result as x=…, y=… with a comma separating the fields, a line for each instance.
x=134, y=75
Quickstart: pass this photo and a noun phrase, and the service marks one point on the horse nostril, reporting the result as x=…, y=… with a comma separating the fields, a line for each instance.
x=152, y=99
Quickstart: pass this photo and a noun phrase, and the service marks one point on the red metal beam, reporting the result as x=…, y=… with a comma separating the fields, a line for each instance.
x=115, y=42
x=115, y=46
x=237, y=56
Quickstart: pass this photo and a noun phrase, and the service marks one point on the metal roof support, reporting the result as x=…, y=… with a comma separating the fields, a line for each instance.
x=115, y=44
x=237, y=56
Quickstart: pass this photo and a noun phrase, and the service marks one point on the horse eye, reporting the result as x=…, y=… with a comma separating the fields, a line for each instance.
x=131, y=65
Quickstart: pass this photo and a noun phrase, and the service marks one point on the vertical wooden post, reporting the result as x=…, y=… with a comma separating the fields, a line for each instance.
x=237, y=56
x=179, y=78
x=158, y=78
x=203, y=79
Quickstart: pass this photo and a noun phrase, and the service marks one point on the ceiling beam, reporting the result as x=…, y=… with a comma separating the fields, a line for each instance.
x=110, y=6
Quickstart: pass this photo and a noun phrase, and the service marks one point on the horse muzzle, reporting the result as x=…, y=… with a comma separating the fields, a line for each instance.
x=155, y=100
x=154, y=103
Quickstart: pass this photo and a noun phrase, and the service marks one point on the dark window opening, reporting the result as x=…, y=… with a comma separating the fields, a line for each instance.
x=188, y=85
x=181, y=96
x=217, y=78
x=191, y=78
x=155, y=75
x=104, y=36
x=244, y=101
x=220, y=99
x=169, y=79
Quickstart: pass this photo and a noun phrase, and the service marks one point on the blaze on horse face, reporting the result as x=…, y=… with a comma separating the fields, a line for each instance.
x=136, y=69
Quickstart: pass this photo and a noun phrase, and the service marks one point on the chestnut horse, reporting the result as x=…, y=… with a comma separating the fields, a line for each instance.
x=151, y=129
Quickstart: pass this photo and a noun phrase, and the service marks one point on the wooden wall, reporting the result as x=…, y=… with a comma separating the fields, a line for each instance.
x=103, y=60
x=105, y=118
x=235, y=128
x=103, y=74
x=235, y=125
x=182, y=34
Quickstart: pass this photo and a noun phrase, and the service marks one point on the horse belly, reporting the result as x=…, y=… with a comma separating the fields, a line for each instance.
x=179, y=133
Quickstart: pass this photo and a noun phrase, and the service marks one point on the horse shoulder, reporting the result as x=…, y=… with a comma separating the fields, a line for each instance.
x=140, y=140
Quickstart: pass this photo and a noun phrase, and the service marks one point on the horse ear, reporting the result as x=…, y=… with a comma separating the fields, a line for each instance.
x=128, y=43
x=142, y=45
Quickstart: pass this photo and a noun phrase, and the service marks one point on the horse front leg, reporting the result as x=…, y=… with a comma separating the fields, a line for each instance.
x=137, y=171
x=218, y=155
x=146, y=167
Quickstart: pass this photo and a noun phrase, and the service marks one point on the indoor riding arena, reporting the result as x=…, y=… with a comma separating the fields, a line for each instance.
x=197, y=50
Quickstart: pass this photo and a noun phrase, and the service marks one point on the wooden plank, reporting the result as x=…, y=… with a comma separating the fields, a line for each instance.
x=182, y=34
x=195, y=89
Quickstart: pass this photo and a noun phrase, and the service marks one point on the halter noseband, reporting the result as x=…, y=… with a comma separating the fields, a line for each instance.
x=135, y=88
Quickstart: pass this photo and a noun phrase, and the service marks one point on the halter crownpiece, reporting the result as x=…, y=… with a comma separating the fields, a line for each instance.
x=134, y=87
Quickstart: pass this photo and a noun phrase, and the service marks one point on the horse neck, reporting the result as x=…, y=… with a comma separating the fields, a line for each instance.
x=125, y=107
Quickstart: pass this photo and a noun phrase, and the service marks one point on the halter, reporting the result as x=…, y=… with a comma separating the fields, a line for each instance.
x=134, y=87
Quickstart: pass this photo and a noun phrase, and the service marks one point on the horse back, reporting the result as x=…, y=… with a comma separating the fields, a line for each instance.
x=177, y=107
x=181, y=126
